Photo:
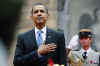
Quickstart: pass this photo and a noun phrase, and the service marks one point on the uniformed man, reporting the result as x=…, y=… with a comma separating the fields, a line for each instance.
x=86, y=56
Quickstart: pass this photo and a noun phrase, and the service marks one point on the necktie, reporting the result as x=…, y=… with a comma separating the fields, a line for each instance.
x=39, y=38
x=84, y=55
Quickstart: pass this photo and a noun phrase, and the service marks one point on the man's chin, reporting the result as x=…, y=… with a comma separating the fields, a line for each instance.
x=40, y=25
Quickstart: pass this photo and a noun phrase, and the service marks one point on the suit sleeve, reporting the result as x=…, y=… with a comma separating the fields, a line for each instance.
x=20, y=58
x=61, y=49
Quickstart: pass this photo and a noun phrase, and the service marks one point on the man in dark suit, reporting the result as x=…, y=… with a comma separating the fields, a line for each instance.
x=37, y=46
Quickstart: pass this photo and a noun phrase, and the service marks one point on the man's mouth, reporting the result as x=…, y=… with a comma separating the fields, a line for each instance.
x=39, y=18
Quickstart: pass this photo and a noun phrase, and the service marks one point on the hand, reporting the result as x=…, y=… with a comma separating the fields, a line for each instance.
x=46, y=48
x=68, y=51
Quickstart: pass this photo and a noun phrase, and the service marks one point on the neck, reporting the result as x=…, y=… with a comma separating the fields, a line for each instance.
x=86, y=48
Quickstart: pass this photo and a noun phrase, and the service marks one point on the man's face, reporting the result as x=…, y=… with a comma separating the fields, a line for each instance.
x=85, y=41
x=39, y=15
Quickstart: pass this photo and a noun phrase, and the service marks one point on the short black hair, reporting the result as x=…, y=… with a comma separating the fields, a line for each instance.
x=35, y=4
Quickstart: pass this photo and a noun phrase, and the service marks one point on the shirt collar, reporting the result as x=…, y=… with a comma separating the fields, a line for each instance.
x=43, y=29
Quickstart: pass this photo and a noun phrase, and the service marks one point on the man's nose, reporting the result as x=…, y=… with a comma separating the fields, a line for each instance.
x=39, y=14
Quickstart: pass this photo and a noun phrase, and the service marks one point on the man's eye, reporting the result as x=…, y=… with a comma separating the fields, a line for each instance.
x=36, y=11
x=42, y=11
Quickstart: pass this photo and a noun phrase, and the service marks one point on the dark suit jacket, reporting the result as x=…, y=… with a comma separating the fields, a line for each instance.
x=26, y=49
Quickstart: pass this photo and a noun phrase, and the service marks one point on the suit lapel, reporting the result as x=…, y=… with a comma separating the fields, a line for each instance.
x=48, y=36
x=34, y=38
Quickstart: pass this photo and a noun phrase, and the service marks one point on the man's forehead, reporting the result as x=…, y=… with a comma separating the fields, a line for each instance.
x=38, y=7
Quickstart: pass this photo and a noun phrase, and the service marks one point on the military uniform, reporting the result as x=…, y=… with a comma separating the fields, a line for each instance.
x=91, y=60
x=85, y=56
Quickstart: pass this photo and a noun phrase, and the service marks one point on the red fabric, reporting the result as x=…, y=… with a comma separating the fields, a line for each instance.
x=50, y=62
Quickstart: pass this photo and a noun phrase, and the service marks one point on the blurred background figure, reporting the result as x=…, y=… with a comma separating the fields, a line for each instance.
x=3, y=55
x=96, y=27
x=9, y=18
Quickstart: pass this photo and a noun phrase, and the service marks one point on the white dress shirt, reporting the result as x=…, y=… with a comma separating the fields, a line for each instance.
x=89, y=50
x=43, y=34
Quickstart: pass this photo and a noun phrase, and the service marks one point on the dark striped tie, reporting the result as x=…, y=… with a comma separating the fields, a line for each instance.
x=84, y=55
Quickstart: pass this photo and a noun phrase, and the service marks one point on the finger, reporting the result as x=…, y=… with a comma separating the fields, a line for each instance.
x=51, y=50
x=51, y=45
x=48, y=44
